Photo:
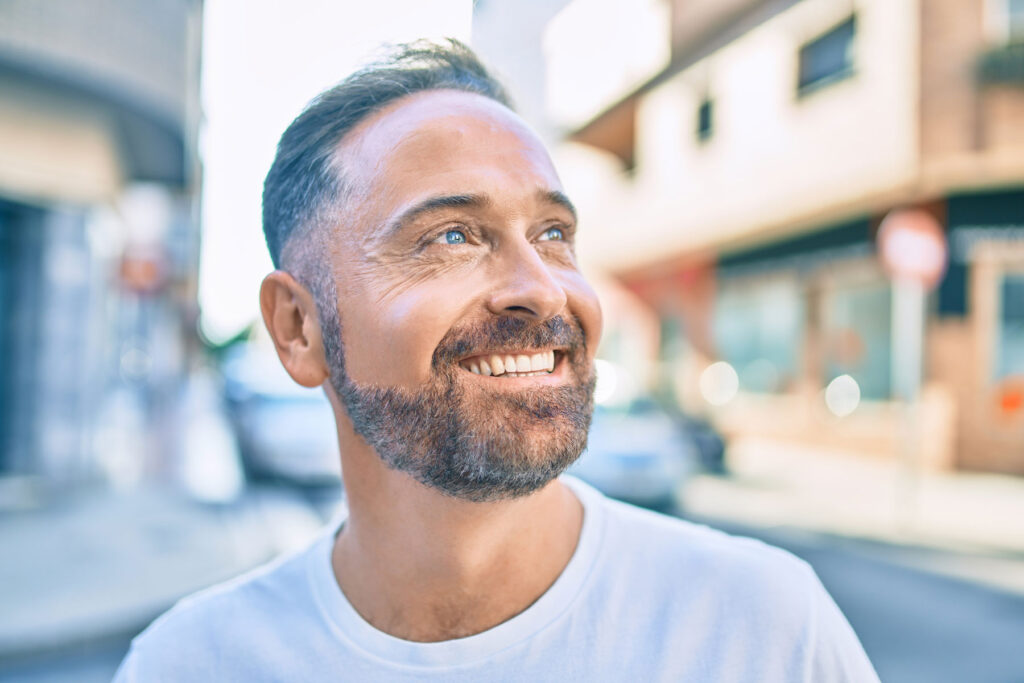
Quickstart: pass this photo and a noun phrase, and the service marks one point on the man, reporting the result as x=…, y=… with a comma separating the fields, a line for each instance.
x=427, y=279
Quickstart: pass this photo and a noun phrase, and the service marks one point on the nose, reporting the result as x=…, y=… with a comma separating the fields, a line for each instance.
x=526, y=286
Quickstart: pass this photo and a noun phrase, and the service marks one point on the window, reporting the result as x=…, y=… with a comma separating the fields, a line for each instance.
x=857, y=334
x=1015, y=21
x=672, y=339
x=1010, y=335
x=705, y=113
x=828, y=58
x=759, y=330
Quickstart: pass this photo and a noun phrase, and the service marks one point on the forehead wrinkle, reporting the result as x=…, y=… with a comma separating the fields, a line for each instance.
x=411, y=126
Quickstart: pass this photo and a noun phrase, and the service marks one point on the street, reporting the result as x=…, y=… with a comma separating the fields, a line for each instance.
x=916, y=625
x=922, y=627
x=92, y=664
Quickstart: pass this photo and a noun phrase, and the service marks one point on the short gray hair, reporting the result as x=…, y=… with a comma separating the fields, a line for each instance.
x=303, y=182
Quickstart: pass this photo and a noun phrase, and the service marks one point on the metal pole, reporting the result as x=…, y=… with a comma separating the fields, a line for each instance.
x=908, y=350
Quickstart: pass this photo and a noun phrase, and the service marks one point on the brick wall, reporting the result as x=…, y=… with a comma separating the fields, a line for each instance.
x=964, y=122
x=952, y=34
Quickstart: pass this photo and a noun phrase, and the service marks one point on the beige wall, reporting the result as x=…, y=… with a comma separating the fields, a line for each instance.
x=990, y=440
x=54, y=148
x=912, y=124
x=775, y=160
x=971, y=134
x=880, y=429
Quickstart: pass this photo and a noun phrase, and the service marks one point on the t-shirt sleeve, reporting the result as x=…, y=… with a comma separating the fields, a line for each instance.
x=126, y=673
x=836, y=654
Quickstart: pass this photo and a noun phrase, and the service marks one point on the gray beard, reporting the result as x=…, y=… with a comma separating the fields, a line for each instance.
x=475, y=450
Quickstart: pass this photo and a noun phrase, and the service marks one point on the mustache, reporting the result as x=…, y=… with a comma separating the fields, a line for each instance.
x=509, y=331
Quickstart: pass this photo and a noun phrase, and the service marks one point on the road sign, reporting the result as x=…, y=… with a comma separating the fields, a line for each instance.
x=913, y=246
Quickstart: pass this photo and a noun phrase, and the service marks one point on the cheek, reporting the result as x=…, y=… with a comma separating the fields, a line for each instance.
x=391, y=343
x=584, y=304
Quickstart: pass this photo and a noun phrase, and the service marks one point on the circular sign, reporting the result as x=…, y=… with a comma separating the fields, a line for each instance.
x=912, y=245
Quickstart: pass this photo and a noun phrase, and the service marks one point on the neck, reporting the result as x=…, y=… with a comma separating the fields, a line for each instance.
x=423, y=566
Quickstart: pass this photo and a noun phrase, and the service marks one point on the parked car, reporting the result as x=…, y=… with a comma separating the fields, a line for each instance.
x=708, y=442
x=285, y=431
x=640, y=454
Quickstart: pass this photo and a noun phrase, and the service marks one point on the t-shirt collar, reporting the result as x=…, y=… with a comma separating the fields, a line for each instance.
x=350, y=627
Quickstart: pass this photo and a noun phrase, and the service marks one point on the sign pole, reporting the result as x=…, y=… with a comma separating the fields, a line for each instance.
x=913, y=249
x=908, y=351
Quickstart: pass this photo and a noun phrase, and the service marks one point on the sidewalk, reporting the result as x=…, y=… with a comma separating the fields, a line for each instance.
x=979, y=517
x=102, y=565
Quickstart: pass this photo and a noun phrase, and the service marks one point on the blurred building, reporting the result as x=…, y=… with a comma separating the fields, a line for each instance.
x=99, y=112
x=752, y=174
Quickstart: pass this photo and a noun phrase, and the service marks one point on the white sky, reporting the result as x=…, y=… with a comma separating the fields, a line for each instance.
x=262, y=62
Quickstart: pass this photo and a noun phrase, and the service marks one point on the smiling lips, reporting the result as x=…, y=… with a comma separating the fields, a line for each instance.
x=511, y=365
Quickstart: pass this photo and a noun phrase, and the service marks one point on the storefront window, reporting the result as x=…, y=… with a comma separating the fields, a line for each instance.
x=1015, y=20
x=758, y=328
x=1010, y=338
x=857, y=327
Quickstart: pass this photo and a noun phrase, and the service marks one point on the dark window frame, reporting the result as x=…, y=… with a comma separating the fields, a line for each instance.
x=705, y=128
x=828, y=58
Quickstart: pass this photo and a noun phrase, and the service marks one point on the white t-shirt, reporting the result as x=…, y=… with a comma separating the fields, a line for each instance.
x=645, y=597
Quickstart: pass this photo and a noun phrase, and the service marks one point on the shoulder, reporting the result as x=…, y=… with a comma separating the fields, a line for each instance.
x=684, y=562
x=242, y=614
x=726, y=592
x=274, y=582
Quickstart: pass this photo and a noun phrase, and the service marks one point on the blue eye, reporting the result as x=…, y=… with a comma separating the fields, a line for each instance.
x=455, y=237
x=553, y=234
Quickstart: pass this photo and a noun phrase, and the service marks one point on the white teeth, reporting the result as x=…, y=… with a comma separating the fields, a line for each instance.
x=520, y=365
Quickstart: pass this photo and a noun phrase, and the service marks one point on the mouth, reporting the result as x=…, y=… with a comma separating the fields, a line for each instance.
x=511, y=364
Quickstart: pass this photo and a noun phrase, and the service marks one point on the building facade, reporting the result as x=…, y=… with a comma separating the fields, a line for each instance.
x=99, y=114
x=754, y=173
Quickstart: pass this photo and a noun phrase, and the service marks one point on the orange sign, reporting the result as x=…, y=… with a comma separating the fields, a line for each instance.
x=142, y=271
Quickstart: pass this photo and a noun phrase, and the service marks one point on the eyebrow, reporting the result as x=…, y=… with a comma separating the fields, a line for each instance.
x=472, y=201
x=451, y=201
x=559, y=198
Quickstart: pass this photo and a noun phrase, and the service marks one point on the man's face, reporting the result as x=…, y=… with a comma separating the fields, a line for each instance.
x=468, y=330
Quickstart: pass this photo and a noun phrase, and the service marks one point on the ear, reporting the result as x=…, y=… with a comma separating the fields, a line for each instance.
x=289, y=312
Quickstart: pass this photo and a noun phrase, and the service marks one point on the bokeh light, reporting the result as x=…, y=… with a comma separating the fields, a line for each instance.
x=842, y=395
x=719, y=383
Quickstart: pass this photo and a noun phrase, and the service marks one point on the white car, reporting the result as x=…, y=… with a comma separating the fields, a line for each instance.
x=285, y=431
x=640, y=455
